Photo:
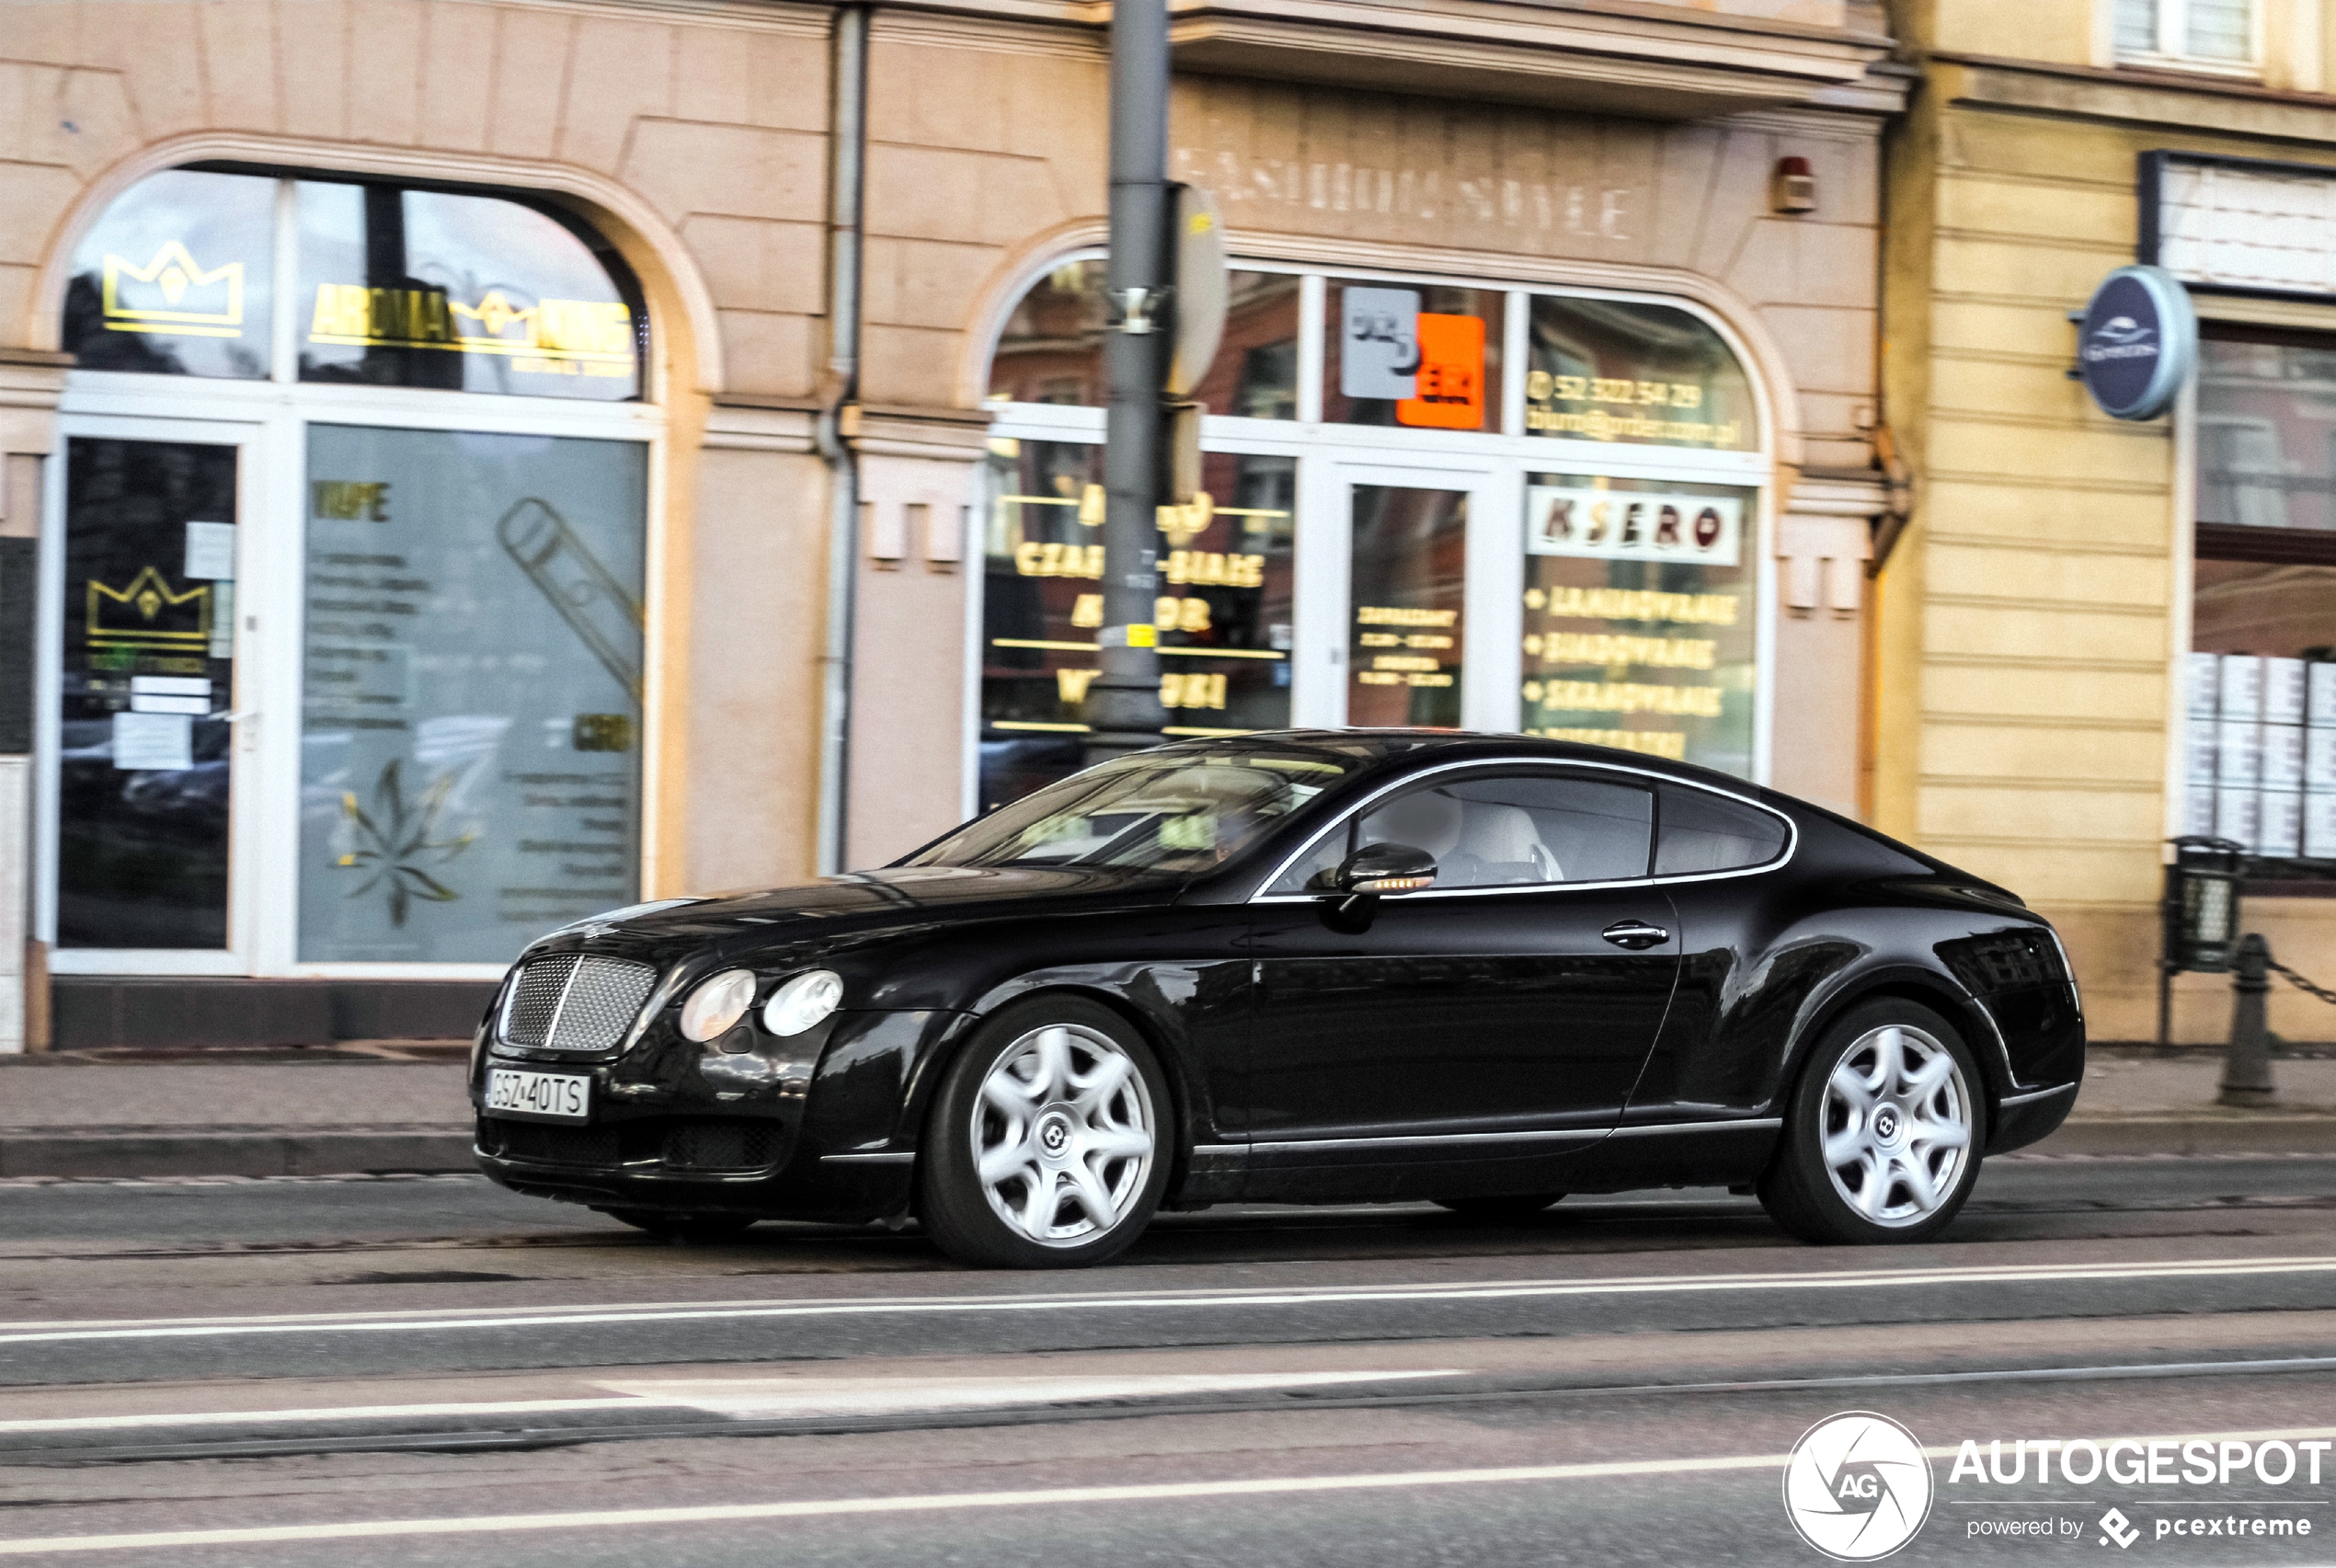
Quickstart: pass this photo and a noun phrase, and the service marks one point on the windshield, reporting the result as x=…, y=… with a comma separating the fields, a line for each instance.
x=1172, y=811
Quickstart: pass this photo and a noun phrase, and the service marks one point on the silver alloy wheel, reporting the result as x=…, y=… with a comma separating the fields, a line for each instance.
x=1063, y=1135
x=1898, y=1125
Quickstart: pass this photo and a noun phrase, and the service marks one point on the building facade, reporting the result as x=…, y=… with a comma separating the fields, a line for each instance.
x=417, y=520
x=2096, y=636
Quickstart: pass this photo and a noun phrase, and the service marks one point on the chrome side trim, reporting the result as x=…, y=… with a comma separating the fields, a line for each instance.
x=2033, y=1095
x=1218, y=1150
x=888, y=1157
x=1659, y=1130
x=1791, y=833
x=1408, y=1140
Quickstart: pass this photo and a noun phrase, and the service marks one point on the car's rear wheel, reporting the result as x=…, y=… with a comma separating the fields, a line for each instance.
x=693, y=1228
x=1048, y=1143
x=1506, y=1208
x=1882, y=1135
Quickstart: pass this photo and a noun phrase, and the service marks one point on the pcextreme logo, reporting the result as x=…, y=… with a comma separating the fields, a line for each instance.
x=1857, y=1486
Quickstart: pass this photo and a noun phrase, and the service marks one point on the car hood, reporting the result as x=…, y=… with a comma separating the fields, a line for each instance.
x=837, y=909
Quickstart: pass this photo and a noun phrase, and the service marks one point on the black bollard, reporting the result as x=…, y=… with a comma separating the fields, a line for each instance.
x=2247, y=1069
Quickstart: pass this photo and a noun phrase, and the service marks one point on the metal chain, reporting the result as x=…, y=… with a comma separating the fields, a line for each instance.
x=2300, y=983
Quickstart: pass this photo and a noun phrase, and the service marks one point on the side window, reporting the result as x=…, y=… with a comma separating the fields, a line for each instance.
x=1521, y=830
x=1702, y=831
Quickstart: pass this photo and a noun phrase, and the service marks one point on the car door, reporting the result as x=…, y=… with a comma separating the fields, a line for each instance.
x=1504, y=1013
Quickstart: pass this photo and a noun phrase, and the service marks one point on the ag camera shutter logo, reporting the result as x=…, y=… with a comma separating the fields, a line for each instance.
x=1857, y=1486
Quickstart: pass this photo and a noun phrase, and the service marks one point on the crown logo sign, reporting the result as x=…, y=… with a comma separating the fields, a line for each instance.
x=173, y=297
x=147, y=614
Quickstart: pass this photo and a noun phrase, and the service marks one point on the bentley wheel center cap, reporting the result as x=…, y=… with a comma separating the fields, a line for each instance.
x=1887, y=1125
x=1054, y=1134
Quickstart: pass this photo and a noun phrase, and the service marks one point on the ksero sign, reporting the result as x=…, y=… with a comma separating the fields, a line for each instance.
x=2137, y=342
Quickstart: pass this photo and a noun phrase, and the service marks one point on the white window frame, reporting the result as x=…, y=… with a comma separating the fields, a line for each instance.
x=269, y=420
x=1491, y=464
x=2172, y=53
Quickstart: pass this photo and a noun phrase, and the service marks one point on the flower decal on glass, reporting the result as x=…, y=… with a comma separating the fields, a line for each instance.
x=395, y=841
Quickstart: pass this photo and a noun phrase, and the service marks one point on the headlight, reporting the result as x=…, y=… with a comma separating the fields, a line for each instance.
x=803, y=1001
x=716, y=1004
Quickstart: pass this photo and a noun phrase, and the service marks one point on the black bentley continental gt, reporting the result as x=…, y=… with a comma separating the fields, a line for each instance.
x=1304, y=966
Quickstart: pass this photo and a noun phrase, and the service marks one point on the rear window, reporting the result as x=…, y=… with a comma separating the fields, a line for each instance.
x=1701, y=832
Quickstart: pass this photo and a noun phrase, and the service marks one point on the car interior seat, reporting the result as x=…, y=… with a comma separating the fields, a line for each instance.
x=1510, y=846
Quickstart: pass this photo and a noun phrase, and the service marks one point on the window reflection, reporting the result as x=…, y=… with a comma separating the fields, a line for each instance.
x=475, y=294
x=1620, y=370
x=1050, y=349
x=2266, y=430
x=177, y=279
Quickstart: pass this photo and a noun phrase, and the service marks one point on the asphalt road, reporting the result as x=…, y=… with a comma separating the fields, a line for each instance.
x=430, y=1370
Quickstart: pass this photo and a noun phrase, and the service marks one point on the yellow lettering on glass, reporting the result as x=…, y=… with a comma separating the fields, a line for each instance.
x=550, y=336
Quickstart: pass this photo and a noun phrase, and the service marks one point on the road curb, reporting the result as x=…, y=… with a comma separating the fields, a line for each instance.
x=240, y=1151
x=2194, y=1135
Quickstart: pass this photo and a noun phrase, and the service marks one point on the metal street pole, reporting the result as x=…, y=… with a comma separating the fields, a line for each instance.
x=1123, y=707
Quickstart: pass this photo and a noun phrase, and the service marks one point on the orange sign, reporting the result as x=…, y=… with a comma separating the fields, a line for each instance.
x=1449, y=388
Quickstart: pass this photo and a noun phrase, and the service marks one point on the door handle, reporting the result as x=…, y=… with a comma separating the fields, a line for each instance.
x=1635, y=934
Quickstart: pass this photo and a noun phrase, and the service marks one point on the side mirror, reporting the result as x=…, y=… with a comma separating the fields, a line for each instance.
x=1385, y=868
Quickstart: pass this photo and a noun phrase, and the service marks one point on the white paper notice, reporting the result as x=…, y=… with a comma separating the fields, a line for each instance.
x=211, y=550
x=153, y=742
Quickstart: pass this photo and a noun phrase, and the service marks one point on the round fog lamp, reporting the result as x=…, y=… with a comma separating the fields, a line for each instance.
x=717, y=1004
x=803, y=1001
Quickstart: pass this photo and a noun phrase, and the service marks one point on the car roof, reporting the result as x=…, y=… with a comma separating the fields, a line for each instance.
x=1386, y=745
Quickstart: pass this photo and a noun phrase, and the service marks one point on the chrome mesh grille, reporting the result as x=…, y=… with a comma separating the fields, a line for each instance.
x=572, y=1002
x=536, y=1001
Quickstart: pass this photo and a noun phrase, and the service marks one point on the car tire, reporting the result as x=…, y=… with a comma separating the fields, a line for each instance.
x=1050, y=1141
x=694, y=1229
x=1882, y=1135
x=1508, y=1207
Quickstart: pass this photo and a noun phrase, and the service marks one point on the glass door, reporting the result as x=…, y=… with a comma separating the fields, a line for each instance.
x=149, y=779
x=1401, y=596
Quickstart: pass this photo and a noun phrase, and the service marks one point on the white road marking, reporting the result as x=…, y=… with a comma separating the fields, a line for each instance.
x=767, y=1398
x=781, y=1398
x=721, y=1513
x=441, y=1321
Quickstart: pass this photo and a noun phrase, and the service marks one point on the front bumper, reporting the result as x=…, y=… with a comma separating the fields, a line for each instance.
x=811, y=1129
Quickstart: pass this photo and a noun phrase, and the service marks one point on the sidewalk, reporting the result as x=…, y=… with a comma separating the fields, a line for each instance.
x=388, y=1106
x=382, y=1105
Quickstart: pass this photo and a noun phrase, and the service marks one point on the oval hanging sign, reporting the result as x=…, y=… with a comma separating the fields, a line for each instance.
x=2137, y=342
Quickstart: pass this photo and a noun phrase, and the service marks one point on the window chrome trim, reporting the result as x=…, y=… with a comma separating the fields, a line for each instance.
x=1791, y=836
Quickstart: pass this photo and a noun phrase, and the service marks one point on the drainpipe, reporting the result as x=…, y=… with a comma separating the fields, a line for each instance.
x=838, y=422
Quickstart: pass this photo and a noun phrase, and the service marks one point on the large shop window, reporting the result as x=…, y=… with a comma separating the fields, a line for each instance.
x=1639, y=623
x=1224, y=613
x=1609, y=474
x=470, y=643
x=2261, y=751
x=396, y=287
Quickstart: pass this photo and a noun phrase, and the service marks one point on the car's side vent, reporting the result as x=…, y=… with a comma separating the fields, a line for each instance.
x=567, y=1001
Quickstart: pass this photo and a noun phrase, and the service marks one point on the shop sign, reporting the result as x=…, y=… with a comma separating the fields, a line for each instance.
x=2137, y=343
x=172, y=296
x=1430, y=365
x=1635, y=525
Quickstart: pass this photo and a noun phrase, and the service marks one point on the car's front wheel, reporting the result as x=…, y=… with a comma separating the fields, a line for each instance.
x=1882, y=1135
x=1048, y=1142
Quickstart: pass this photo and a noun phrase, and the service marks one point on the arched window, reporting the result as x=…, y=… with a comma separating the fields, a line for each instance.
x=395, y=286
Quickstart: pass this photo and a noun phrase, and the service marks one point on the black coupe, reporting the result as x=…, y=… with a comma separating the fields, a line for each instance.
x=1298, y=968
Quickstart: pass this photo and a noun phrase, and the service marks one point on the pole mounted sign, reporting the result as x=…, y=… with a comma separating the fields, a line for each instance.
x=2136, y=342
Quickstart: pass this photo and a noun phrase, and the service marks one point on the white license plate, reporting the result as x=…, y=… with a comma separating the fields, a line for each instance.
x=556, y=1097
